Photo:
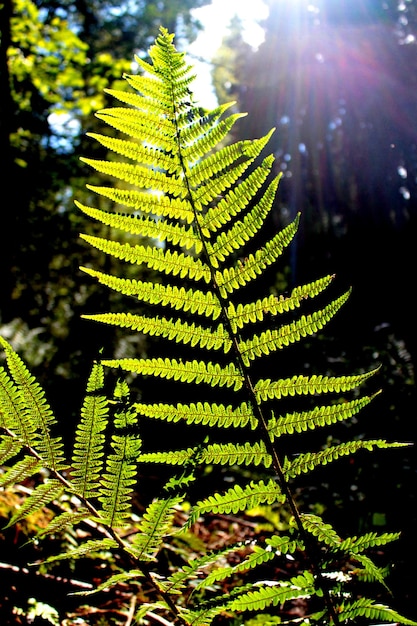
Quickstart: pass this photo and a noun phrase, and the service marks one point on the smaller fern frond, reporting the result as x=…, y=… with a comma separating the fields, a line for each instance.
x=239, y=499
x=201, y=413
x=271, y=340
x=156, y=524
x=237, y=199
x=174, y=330
x=354, y=545
x=40, y=497
x=9, y=447
x=160, y=260
x=87, y=458
x=273, y=305
x=87, y=548
x=298, y=587
x=325, y=533
x=319, y=416
x=267, y=389
x=146, y=227
x=187, y=371
x=158, y=205
x=33, y=406
x=20, y=471
x=310, y=460
x=215, y=454
x=242, y=231
x=364, y=607
x=232, y=278
x=63, y=521
x=178, y=298
x=118, y=480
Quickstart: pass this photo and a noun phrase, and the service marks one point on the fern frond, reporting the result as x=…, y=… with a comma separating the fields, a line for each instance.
x=9, y=447
x=119, y=479
x=310, y=460
x=267, y=389
x=369, y=571
x=146, y=227
x=195, y=568
x=175, y=330
x=63, y=521
x=87, y=548
x=194, y=301
x=354, y=545
x=253, y=312
x=325, y=533
x=88, y=453
x=201, y=413
x=216, y=454
x=41, y=496
x=158, y=205
x=156, y=524
x=371, y=610
x=319, y=416
x=187, y=371
x=301, y=586
x=20, y=471
x=242, y=231
x=132, y=575
x=205, y=169
x=232, y=278
x=239, y=499
x=271, y=340
x=259, y=556
x=36, y=416
x=165, y=261
x=236, y=200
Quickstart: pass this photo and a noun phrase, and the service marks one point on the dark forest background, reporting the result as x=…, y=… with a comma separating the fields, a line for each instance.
x=338, y=82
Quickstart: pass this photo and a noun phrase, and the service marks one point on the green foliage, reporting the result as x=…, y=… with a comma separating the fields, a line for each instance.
x=205, y=203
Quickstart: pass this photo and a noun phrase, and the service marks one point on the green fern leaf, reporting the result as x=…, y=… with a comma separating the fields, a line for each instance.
x=272, y=305
x=87, y=548
x=87, y=459
x=178, y=298
x=35, y=415
x=369, y=540
x=237, y=200
x=201, y=413
x=267, y=389
x=232, y=278
x=63, y=521
x=310, y=460
x=119, y=479
x=122, y=577
x=158, y=205
x=239, y=499
x=9, y=448
x=175, y=330
x=242, y=231
x=40, y=497
x=371, y=610
x=298, y=587
x=324, y=415
x=155, y=258
x=20, y=471
x=369, y=570
x=325, y=533
x=272, y=340
x=156, y=523
x=146, y=227
x=187, y=371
